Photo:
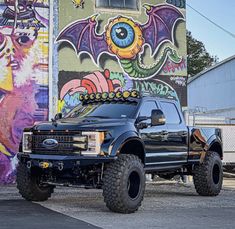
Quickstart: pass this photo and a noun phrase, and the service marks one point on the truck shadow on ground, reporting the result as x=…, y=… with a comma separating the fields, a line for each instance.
x=28, y=215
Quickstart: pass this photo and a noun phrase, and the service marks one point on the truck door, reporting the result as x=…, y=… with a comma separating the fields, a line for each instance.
x=154, y=137
x=177, y=136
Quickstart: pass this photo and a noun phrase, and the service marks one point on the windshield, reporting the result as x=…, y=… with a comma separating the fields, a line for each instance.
x=104, y=110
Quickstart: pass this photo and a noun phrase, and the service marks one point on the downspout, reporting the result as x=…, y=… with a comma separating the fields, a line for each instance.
x=52, y=104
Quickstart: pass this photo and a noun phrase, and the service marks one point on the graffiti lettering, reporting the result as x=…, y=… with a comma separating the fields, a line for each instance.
x=171, y=67
x=179, y=80
x=156, y=87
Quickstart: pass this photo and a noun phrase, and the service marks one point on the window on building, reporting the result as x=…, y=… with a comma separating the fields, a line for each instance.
x=171, y=113
x=119, y=4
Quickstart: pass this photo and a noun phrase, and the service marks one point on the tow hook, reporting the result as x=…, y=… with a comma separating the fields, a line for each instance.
x=60, y=166
x=45, y=165
x=29, y=164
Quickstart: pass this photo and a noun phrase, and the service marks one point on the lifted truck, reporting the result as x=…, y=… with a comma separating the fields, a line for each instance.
x=110, y=141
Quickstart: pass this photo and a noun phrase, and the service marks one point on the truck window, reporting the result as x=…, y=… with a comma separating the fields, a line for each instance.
x=146, y=108
x=104, y=110
x=171, y=113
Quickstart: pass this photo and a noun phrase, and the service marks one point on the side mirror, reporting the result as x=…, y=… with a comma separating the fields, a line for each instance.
x=157, y=118
x=58, y=116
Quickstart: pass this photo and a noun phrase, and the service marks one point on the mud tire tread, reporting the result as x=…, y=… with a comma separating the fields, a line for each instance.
x=202, y=178
x=114, y=189
x=28, y=187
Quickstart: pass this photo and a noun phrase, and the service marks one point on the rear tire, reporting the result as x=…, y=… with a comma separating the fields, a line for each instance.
x=124, y=184
x=28, y=185
x=208, y=176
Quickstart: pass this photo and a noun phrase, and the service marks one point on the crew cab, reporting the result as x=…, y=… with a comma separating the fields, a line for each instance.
x=110, y=141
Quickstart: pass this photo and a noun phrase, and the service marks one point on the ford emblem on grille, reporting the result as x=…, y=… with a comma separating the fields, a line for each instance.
x=50, y=143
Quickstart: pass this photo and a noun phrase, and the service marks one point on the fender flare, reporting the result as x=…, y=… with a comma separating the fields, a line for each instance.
x=117, y=145
x=214, y=140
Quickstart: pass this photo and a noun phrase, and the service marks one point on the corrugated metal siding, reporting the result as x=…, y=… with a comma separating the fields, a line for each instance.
x=215, y=89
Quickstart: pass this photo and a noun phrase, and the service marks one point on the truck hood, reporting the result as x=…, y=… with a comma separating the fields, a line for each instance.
x=75, y=124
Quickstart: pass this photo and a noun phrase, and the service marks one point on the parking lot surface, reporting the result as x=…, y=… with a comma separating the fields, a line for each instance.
x=166, y=205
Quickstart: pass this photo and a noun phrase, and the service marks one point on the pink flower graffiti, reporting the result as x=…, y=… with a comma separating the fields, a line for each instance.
x=92, y=83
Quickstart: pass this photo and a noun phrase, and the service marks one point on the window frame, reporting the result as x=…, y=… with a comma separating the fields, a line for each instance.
x=141, y=105
x=119, y=10
x=180, y=118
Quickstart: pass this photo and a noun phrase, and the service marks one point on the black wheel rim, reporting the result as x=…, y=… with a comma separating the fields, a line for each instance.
x=133, y=185
x=216, y=174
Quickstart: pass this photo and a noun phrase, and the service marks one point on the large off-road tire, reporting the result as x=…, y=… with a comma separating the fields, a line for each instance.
x=29, y=187
x=124, y=184
x=208, y=176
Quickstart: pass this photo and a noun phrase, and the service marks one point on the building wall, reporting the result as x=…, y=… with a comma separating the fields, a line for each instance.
x=23, y=75
x=97, y=66
x=214, y=90
x=92, y=58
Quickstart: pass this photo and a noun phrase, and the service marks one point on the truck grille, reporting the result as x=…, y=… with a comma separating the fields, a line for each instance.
x=65, y=143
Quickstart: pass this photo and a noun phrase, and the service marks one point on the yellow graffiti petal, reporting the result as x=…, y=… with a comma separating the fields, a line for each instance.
x=6, y=83
x=4, y=150
x=61, y=104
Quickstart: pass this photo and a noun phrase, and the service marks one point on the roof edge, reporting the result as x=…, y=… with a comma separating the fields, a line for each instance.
x=191, y=79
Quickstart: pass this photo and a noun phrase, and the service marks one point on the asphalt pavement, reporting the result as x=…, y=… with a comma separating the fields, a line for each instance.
x=21, y=214
x=166, y=205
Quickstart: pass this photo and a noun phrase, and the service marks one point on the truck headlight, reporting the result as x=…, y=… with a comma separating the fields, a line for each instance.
x=27, y=142
x=80, y=142
x=95, y=139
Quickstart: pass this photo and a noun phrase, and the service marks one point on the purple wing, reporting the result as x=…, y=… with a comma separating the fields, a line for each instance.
x=83, y=37
x=160, y=25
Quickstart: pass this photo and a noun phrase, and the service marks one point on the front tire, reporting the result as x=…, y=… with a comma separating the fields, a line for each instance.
x=29, y=187
x=124, y=184
x=208, y=176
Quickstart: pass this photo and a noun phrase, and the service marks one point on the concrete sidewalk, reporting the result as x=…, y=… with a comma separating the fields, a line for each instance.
x=229, y=183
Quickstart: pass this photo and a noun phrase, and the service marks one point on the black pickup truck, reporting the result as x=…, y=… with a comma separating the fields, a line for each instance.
x=110, y=141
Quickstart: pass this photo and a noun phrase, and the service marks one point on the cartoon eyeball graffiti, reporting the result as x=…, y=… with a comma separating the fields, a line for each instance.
x=124, y=37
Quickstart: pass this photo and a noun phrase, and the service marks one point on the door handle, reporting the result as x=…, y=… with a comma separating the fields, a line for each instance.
x=164, y=132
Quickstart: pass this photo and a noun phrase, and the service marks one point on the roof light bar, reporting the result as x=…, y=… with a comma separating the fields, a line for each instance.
x=109, y=96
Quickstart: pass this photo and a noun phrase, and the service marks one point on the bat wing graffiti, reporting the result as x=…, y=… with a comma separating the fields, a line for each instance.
x=160, y=25
x=124, y=38
x=83, y=37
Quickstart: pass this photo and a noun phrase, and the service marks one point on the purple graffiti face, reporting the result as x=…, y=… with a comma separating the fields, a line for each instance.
x=14, y=48
x=24, y=5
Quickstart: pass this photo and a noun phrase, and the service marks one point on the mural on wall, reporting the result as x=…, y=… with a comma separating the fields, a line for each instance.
x=23, y=75
x=78, y=3
x=127, y=40
x=73, y=83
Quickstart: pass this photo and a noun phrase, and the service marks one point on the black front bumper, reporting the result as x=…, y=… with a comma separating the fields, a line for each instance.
x=58, y=161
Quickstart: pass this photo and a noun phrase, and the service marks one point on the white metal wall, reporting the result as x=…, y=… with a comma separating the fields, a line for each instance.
x=215, y=89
